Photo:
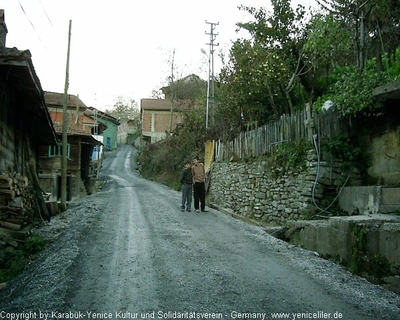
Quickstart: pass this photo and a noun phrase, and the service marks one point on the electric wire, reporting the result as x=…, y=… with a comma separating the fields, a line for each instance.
x=48, y=18
x=33, y=26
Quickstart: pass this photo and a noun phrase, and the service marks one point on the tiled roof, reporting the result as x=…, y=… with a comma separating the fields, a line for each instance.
x=70, y=130
x=155, y=104
x=165, y=105
x=57, y=99
x=76, y=132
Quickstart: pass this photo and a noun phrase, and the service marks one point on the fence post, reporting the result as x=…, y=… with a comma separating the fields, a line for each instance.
x=309, y=123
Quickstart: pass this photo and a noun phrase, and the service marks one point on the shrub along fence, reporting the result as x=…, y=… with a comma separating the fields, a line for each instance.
x=304, y=125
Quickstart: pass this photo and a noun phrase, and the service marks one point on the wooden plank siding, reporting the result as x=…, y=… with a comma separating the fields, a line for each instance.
x=301, y=126
x=51, y=167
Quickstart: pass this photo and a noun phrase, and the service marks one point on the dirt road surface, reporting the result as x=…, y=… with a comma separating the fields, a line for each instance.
x=128, y=252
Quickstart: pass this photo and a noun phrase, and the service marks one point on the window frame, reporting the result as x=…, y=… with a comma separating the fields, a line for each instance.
x=55, y=151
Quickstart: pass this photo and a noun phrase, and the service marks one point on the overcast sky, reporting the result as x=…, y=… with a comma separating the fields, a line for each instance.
x=120, y=47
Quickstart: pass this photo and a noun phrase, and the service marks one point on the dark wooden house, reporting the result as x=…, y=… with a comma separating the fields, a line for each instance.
x=79, y=149
x=25, y=124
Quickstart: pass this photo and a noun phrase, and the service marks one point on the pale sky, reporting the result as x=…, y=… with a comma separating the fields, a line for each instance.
x=121, y=47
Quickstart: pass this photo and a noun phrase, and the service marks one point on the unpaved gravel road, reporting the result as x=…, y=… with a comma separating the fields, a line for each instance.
x=128, y=252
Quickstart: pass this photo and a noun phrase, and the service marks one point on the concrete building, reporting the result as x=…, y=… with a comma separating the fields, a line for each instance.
x=156, y=118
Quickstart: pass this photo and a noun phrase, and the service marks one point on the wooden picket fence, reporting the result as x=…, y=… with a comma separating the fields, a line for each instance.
x=304, y=125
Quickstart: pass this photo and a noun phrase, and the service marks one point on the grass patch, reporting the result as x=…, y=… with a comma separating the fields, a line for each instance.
x=14, y=260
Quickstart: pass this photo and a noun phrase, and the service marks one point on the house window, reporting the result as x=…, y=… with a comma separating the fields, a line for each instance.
x=56, y=150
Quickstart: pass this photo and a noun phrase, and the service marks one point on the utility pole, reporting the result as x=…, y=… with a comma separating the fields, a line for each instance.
x=96, y=167
x=64, y=131
x=172, y=93
x=211, y=79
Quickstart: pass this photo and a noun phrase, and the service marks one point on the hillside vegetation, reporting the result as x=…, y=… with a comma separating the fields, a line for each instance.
x=294, y=56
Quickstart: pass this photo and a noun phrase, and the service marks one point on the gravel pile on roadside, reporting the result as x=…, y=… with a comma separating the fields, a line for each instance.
x=44, y=281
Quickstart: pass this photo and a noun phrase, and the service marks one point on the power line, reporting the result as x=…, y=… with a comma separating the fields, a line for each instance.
x=33, y=26
x=48, y=18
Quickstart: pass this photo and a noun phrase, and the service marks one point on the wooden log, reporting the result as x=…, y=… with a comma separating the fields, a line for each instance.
x=4, y=176
x=3, y=215
x=10, y=225
x=20, y=222
x=9, y=193
x=3, y=200
x=11, y=209
x=6, y=184
x=23, y=181
x=15, y=215
x=17, y=202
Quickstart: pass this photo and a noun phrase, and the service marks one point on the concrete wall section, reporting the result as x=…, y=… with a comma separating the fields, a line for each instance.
x=369, y=200
x=337, y=239
x=360, y=200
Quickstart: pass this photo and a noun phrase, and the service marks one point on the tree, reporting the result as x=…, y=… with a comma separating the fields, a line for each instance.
x=260, y=76
x=124, y=109
x=374, y=24
x=189, y=88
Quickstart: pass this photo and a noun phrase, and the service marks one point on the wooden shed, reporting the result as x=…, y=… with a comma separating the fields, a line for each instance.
x=25, y=124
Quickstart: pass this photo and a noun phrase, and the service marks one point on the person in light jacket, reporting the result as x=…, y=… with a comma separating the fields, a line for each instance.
x=199, y=188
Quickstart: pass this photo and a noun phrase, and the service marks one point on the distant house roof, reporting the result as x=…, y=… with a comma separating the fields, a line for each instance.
x=155, y=104
x=57, y=99
x=102, y=115
x=88, y=138
x=27, y=95
x=165, y=105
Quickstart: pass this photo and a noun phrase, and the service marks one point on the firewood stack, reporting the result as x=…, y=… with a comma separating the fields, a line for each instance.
x=17, y=201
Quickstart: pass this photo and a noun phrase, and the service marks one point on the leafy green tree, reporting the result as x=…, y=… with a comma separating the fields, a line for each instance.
x=266, y=76
x=374, y=24
x=328, y=45
x=349, y=42
x=243, y=94
x=124, y=109
x=189, y=88
x=283, y=32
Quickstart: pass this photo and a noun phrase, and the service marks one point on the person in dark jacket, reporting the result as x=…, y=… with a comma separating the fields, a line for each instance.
x=186, y=180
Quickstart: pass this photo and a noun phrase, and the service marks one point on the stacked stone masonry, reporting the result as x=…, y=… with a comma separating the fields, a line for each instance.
x=272, y=194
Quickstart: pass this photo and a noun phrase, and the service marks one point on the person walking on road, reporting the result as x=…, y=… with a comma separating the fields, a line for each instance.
x=186, y=180
x=199, y=188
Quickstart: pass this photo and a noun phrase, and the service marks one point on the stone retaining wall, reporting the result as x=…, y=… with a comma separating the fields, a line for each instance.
x=259, y=191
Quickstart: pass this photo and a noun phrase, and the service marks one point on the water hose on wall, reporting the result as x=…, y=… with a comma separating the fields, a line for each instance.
x=328, y=105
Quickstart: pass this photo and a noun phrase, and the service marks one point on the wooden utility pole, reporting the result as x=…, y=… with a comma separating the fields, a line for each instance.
x=64, y=131
x=211, y=78
x=172, y=93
